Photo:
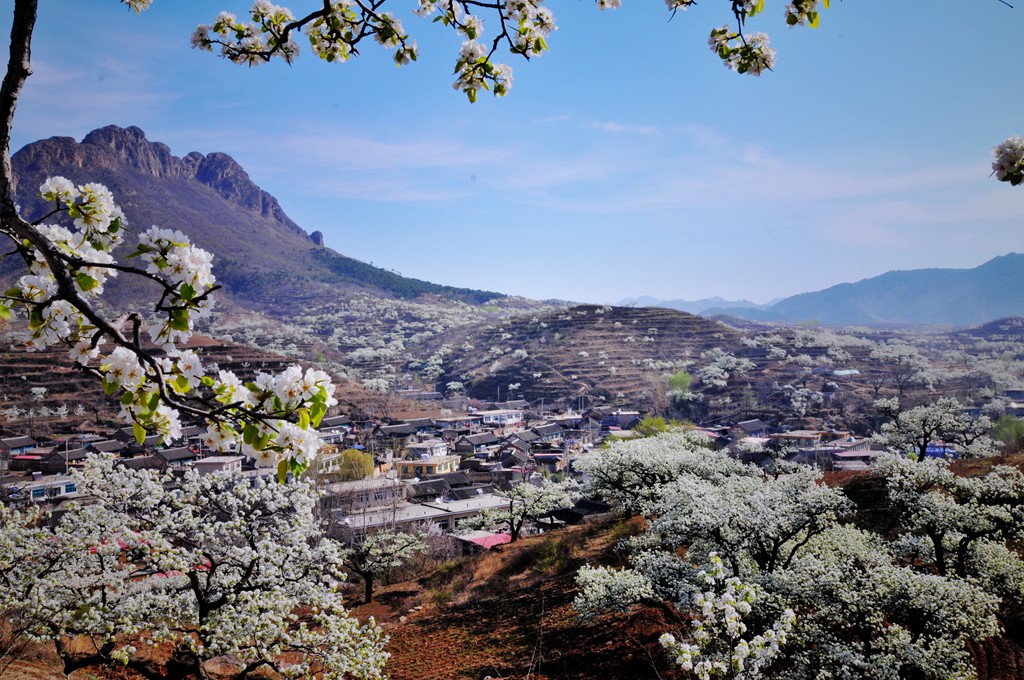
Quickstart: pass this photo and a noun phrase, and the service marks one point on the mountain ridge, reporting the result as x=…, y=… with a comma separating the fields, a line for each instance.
x=262, y=256
x=938, y=296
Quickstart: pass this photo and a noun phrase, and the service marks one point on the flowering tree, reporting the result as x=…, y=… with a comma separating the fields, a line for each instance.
x=216, y=566
x=722, y=647
x=863, y=615
x=636, y=473
x=966, y=523
x=944, y=422
x=756, y=525
x=903, y=363
x=717, y=366
x=375, y=554
x=528, y=502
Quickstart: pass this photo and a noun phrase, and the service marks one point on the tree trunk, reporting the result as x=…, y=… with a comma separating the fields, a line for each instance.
x=367, y=588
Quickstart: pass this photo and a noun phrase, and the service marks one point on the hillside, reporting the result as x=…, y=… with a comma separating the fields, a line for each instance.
x=589, y=351
x=262, y=257
x=282, y=289
x=956, y=297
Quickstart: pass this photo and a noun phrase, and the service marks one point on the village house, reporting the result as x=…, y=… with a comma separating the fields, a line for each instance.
x=362, y=495
x=178, y=457
x=211, y=464
x=46, y=489
x=501, y=418
x=113, y=446
x=458, y=422
x=474, y=444
x=64, y=461
x=12, y=446
x=807, y=438
x=431, y=465
x=748, y=428
x=394, y=437
x=429, y=448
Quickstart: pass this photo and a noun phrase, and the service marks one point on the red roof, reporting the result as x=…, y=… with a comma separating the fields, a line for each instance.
x=491, y=540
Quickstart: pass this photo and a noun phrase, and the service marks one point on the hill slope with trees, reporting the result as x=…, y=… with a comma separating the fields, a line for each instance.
x=261, y=256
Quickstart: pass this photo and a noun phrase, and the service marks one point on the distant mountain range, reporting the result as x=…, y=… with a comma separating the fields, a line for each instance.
x=956, y=297
x=693, y=306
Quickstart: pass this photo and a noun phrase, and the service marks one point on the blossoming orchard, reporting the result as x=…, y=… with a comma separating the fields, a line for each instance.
x=216, y=567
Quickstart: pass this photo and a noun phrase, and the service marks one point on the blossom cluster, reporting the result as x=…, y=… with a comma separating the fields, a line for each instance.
x=748, y=53
x=250, y=43
x=803, y=12
x=604, y=590
x=1008, y=163
x=719, y=627
x=474, y=71
x=527, y=502
x=335, y=30
x=138, y=5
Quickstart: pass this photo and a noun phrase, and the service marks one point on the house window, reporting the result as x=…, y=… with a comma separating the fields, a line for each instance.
x=69, y=488
x=38, y=493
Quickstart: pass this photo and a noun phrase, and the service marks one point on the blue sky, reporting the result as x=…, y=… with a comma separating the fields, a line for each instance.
x=625, y=162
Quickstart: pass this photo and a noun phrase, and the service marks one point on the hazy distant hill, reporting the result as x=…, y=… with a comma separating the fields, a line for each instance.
x=920, y=296
x=692, y=306
x=262, y=256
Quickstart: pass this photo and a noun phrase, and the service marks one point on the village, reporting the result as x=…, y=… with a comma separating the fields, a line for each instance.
x=419, y=471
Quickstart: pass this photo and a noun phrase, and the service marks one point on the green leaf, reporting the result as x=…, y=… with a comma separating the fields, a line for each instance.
x=5, y=312
x=261, y=442
x=35, y=319
x=181, y=385
x=110, y=386
x=825, y=3
x=812, y=19
x=186, y=292
x=304, y=418
x=86, y=282
x=317, y=413
x=179, y=319
x=249, y=433
x=127, y=398
x=140, y=433
x=282, y=471
x=12, y=293
x=206, y=380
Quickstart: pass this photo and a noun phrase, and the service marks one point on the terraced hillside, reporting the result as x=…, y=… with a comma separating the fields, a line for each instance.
x=600, y=353
x=788, y=375
x=73, y=401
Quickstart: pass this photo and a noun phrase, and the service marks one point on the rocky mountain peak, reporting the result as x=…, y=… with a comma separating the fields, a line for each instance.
x=121, y=149
x=130, y=147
